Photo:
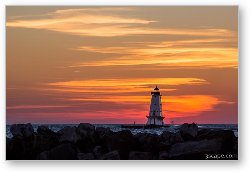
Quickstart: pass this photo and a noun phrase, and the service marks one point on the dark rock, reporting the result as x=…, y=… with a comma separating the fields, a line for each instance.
x=194, y=149
x=226, y=137
x=236, y=146
x=87, y=137
x=8, y=148
x=69, y=134
x=140, y=155
x=122, y=141
x=43, y=129
x=22, y=130
x=86, y=130
x=162, y=146
x=189, y=131
x=212, y=134
x=114, y=155
x=86, y=127
x=18, y=148
x=85, y=156
x=62, y=152
x=98, y=151
x=170, y=138
x=102, y=133
x=148, y=142
x=45, y=139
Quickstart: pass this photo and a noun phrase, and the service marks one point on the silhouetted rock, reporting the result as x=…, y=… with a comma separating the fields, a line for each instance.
x=211, y=134
x=148, y=142
x=140, y=155
x=86, y=142
x=194, y=149
x=87, y=134
x=236, y=146
x=86, y=130
x=69, y=134
x=43, y=129
x=62, y=152
x=22, y=130
x=20, y=146
x=170, y=138
x=225, y=137
x=102, y=133
x=98, y=151
x=189, y=131
x=122, y=141
x=45, y=139
x=114, y=155
x=8, y=148
x=85, y=156
x=86, y=127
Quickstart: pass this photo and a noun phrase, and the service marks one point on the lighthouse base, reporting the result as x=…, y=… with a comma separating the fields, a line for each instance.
x=155, y=120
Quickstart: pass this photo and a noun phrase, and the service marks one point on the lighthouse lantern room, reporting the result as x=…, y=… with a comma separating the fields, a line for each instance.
x=155, y=116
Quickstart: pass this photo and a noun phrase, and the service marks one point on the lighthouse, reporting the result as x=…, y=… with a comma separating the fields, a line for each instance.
x=155, y=116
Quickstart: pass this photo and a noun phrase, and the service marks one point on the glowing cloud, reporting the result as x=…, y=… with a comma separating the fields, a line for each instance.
x=195, y=53
x=101, y=22
x=121, y=85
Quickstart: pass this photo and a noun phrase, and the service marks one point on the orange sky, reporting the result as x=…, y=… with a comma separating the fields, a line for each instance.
x=99, y=64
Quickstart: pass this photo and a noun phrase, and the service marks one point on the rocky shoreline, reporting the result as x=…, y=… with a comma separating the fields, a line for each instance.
x=87, y=142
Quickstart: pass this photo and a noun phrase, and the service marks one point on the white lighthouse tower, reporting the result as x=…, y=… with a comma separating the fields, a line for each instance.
x=155, y=116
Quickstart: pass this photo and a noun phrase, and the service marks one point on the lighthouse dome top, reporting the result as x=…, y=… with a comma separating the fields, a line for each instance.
x=156, y=88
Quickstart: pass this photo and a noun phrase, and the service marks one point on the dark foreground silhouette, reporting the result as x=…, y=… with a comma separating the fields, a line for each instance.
x=86, y=142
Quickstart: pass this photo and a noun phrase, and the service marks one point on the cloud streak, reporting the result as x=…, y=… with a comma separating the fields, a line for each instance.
x=166, y=54
x=105, y=23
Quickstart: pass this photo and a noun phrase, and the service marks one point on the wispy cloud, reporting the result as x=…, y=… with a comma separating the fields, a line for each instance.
x=172, y=53
x=130, y=82
x=104, y=22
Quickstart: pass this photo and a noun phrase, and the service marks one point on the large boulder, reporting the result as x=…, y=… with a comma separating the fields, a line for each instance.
x=189, y=131
x=102, y=133
x=114, y=155
x=140, y=155
x=226, y=137
x=170, y=138
x=98, y=151
x=45, y=139
x=22, y=130
x=62, y=152
x=86, y=130
x=194, y=149
x=149, y=142
x=20, y=148
x=69, y=134
x=87, y=137
x=122, y=141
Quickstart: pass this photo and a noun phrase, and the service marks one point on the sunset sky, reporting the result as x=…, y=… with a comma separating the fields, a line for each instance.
x=99, y=64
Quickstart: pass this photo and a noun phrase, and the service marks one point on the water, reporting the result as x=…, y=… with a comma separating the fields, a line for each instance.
x=117, y=127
